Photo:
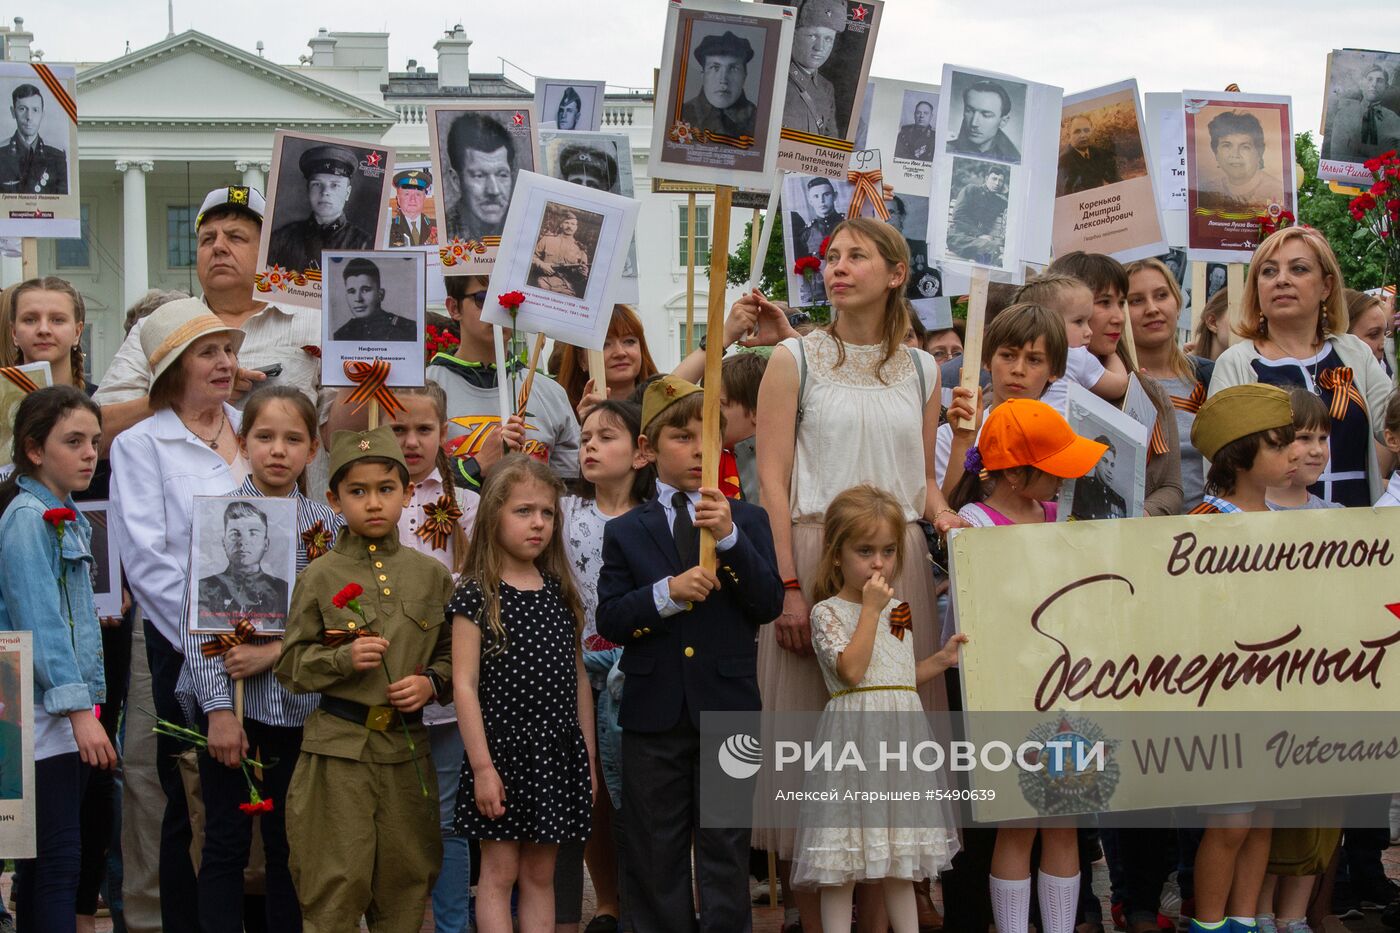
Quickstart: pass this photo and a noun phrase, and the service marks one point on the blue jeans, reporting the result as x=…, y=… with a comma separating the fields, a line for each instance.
x=46, y=887
x=453, y=889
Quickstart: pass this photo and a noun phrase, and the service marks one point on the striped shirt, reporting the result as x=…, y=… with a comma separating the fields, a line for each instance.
x=204, y=684
x=1214, y=505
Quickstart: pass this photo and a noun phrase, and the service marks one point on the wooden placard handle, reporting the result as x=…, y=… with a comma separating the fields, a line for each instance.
x=535, y=352
x=972, y=340
x=689, y=274
x=714, y=351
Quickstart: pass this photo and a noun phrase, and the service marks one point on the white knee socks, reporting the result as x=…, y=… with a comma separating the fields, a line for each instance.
x=1058, y=897
x=1011, y=904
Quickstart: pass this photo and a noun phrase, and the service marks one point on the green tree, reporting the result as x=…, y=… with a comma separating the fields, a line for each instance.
x=772, y=281
x=1323, y=209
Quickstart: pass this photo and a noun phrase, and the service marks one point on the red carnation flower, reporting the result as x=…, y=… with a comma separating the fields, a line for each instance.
x=259, y=806
x=512, y=300
x=807, y=264
x=350, y=593
x=56, y=517
x=821, y=250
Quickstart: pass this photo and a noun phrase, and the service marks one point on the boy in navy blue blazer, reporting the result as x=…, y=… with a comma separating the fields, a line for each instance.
x=689, y=645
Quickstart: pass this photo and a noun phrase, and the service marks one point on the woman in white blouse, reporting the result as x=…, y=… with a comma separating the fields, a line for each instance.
x=186, y=449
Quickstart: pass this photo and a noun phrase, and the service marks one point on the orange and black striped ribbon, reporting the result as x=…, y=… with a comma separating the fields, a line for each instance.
x=901, y=620
x=369, y=380
x=1158, y=444
x=243, y=632
x=1338, y=381
x=317, y=540
x=1193, y=402
x=738, y=142
x=56, y=88
x=867, y=192
x=439, y=518
x=20, y=378
x=335, y=637
x=1205, y=508
x=826, y=142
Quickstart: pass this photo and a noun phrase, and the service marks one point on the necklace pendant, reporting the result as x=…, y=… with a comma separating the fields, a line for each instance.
x=214, y=445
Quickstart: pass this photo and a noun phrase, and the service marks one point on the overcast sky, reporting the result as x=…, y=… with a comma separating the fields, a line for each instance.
x=1265, y=46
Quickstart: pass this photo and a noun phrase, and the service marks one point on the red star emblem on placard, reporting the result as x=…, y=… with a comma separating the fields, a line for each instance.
x=519, y=119
x=373, y=158
x=858, y=14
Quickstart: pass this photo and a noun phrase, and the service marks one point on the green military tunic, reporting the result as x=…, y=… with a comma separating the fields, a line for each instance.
x=364, y=840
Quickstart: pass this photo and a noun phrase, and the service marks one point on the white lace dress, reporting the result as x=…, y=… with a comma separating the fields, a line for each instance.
x=845, y=840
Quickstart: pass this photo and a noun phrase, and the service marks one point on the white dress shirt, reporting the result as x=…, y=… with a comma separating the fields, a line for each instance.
x=661, y=589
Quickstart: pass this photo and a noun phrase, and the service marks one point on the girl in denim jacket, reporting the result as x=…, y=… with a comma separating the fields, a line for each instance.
x=46, y=588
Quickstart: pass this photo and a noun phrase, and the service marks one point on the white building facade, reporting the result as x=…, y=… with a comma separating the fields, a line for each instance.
x=161, y=126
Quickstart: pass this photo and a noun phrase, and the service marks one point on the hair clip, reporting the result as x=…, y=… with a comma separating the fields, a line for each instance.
x=972, y=463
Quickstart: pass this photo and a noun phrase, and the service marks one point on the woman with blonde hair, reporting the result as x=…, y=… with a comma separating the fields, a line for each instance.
x=1293, y=330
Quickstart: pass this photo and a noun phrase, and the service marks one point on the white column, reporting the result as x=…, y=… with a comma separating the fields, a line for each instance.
x=254, y=174
x=135, y=262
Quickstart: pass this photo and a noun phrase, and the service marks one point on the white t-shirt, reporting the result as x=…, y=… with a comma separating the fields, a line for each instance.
x=53, y=735
x=583, y=544
x=1391, y=496
x=1082, y=367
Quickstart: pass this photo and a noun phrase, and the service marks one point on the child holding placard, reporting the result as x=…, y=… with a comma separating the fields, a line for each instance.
x=858, y=632
x=1247, y=433
x=1012, y=477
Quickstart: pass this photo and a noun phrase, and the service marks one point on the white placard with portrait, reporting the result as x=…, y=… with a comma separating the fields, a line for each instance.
x=243, y=563
x=569, y=105
x=39, y=151
x=106, y=571
x=374, y=309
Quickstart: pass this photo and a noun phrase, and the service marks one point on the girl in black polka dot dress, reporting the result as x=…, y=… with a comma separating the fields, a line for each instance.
x=523, y=701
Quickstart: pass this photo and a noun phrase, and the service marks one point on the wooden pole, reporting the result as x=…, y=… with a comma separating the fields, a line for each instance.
x=1198, y=293
x=29, y=258
x=502, y=372
x=597, y=371
x=373, y=414
x=535, y=352
x=1234, y=284
x=1128, y=342
x=238, y=700
x=714, y=322
x=972, y=338
x=690, y=273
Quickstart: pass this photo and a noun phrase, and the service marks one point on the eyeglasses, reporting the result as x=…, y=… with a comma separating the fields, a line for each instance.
x=477, y=298
x=942, y=355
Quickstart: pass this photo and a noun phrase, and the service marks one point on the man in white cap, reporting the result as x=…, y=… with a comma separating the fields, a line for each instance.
x=227, y=230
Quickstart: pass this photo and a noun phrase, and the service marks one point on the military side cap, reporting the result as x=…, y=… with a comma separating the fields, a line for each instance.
x=349, y=446
x=327, y=160
x=828, y=13
x=727, y=44
x=413, y=178
x=238, y=196
x=662, y=394
x=582, y=160
x=1237, y=412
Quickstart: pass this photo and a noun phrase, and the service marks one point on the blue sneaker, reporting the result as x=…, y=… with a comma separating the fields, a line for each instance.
x=1234, y=926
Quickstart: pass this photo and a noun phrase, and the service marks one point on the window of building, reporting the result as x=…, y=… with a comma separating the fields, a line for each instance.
x=179, y=237
x=700, y=326
x=74, y=254
x=702, y=235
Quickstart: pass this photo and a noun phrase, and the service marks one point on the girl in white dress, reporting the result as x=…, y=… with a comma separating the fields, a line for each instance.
x=861, y=634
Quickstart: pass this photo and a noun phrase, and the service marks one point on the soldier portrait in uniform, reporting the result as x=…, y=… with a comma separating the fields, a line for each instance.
x=814, y=207
x=1095, y=495
x=326, y=194
x=28, y=164
x=481, y=152
x=977, y=216
x=570, y=105
x=1363, y=105
x=362, y=317
x=245, y=563
x=602, y=161
x=718, y=103
x=986, y=117
x=374, y=307
x=1085, y=165
x=915, y=139
x=563, y=257
x=411, y=209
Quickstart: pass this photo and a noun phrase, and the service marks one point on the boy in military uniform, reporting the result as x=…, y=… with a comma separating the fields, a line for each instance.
x=329, y=171
x=362, y=831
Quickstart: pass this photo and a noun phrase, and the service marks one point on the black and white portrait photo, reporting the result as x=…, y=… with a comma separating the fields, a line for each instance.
x=813, y=206
x=977, y=214
x=721, y=90
x=326, y=194
x=985, y=117
x=602, y=161
x=1362, y=117
x=245, y=563
x=564, y=246
x=909, y=215
x=374, y=309
x=106, y=581
x=38, y=150
x=477, y=154
x=569, y=105
x=1115, y=487
x=825, y=72
x=916, y=132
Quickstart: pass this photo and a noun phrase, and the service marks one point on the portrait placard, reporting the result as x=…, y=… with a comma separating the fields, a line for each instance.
x=930, y=287
x=564, y=247
x=374, y=306
x=602, y=161
x=477, y=150
x=1239, y=168
x=17, y=839
x=1166, y=138
x=813, y=205
x=1361, y=113
x=323, y=194
x=569, y=105
x=243, y=562
x=1105, y=199
x=413, y=208
x=833, y=42
x=1115, y=488
x=901, y=125
x=721, y=92
x=39, y=153
x=106, y=572
x=994, y=168
x=15, y=383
